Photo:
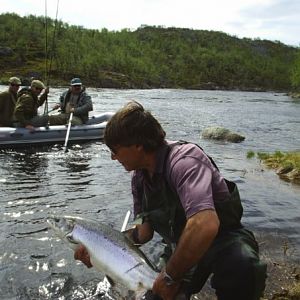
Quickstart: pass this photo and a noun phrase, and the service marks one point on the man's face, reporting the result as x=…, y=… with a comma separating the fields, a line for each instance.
x=36, y=90
x=13, y=87
x=130, y=157
x=76, y=89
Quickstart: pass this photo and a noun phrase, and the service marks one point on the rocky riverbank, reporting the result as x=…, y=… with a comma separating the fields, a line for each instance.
x=116, y=80
x=295, y=95
x=286, y=165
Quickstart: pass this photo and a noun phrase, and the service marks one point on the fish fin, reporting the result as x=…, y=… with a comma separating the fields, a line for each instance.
x=110, y=280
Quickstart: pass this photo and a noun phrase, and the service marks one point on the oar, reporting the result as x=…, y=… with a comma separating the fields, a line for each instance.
x=68, y=132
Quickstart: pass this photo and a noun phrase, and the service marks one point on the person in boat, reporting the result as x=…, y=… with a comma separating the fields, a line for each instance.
x=29, y=100
x=8, y=101
x=179, y=192
x=75, y=100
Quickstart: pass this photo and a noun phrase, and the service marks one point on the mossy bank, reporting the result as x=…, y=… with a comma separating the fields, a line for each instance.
x=286, y=164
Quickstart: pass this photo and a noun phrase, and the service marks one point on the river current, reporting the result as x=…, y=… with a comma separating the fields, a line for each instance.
x=85, y=181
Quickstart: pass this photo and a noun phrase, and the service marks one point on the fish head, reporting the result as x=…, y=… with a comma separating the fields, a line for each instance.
x=63, y=227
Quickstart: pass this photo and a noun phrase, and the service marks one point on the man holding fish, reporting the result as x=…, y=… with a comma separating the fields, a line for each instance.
x=179, y=192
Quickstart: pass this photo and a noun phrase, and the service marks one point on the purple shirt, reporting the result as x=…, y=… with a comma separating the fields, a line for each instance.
x=191, y=174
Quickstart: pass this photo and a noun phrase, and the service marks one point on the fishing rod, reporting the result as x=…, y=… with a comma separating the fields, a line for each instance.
x=46, y=57
x=53, y=38
x=46, y=41
x=48, y=70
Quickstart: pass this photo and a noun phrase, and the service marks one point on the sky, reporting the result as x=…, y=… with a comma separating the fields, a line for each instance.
x=275, y=20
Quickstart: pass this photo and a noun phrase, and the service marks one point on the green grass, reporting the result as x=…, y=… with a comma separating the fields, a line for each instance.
x=250, y=154
x=286, y=164
x=281, y=159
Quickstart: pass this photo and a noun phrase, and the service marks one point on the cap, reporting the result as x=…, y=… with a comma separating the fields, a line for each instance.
x=37, y=84
x=76, y=81
x=15, y=80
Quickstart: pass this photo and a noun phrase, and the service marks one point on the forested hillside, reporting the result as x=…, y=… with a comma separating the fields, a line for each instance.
x=145, y=58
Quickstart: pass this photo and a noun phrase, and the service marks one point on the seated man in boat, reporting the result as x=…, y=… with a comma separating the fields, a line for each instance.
x=8, y=101
x=29, y=100
x=75, y=100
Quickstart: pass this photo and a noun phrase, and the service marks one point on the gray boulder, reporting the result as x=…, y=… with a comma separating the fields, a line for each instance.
x=222, y=134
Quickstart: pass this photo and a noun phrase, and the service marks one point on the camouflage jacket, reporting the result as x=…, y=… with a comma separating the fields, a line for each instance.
x=7, y=105
x=27, y=106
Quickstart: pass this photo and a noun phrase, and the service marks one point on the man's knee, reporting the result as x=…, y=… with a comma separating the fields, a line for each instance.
x=76, y=121
x=242, y=276
x=58, y=119
x=39, y=121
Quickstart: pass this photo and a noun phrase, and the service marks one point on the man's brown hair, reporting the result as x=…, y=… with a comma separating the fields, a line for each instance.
x=132, y=125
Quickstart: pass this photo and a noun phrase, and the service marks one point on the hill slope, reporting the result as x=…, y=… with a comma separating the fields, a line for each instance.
x=145, y=58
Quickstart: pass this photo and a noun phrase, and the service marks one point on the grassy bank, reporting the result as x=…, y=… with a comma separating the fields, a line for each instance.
x=286, y=164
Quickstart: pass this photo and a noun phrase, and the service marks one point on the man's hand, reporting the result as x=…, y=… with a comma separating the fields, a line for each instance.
x=165, y=291
x=129, y=234
x=140, y=233
x=82, y=254
x=56, y=106
x=30, y=127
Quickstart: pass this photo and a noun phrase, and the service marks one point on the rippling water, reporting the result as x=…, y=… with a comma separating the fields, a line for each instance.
x=85, y=181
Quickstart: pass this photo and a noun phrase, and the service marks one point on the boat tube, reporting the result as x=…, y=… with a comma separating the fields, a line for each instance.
x=21, y=137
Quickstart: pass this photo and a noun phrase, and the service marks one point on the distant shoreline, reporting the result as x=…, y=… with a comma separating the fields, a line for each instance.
x=60, y=83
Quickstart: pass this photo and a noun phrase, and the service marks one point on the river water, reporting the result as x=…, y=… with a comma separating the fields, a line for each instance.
x=85, y=181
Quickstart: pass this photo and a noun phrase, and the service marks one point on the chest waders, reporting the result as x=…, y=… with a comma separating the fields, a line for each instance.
x=239, y=274
x=163, y=209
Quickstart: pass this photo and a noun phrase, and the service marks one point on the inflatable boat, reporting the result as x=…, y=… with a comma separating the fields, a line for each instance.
x=21, y=137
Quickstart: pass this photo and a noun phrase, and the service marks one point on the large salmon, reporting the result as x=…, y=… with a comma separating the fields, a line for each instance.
x=111, y=252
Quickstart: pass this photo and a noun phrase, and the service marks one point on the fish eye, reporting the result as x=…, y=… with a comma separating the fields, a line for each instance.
x=70, y=239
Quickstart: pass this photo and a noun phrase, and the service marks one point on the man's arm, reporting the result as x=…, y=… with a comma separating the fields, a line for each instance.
x=198, y=234
x=140, y=233
x=86, y=107
x=43, y=97
x=23, y=105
